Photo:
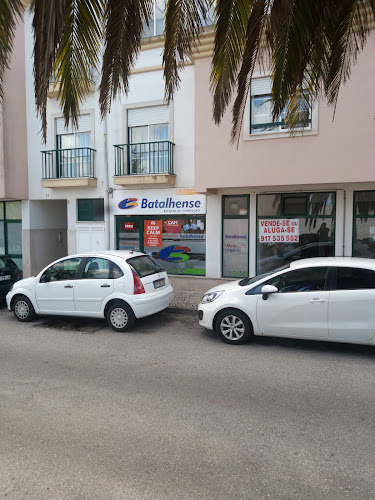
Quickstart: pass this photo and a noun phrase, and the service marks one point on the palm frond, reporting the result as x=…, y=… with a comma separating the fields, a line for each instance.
x=255, y=35
x=10, y=11
x=78, y=52
x=124, y=21
x=48, y=26
x=184, y=21
x=232, y=20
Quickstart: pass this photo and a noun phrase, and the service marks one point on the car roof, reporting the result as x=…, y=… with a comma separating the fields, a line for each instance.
x=124, y=254
x=334, y=261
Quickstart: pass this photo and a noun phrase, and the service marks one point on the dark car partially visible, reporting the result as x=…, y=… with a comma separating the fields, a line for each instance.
x=9, y=274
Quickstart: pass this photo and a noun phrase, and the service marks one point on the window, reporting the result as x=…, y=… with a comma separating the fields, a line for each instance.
x=74, y=154
x=364, y=224
x=116, y=271
x=62, y=271
x=11, y=230
x=301, y=280
x=349, y=278
x=235, y=236
x=148, y=135
x=294, y=226
x=261, y=109
x=96, y=269
x=90, y=210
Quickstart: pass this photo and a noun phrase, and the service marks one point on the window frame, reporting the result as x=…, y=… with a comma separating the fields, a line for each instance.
x=91, y=210
x=355, y=217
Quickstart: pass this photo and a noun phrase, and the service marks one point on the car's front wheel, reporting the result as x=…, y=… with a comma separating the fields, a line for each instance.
x=23, y=309
x=234, y=326
x=120, y=317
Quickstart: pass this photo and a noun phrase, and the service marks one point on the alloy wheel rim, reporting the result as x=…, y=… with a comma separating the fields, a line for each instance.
x=119, y=317
x=22, y=309
x=232, y=327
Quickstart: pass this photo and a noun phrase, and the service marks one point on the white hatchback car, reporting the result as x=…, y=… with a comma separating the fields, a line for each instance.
x=326, y=298
x=117, y=285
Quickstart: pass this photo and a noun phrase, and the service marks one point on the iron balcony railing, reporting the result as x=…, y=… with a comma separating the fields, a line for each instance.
x=144, y=158
x=68, y=163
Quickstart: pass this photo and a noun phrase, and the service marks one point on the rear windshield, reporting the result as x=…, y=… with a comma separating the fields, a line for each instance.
x=145, y=265
x=7, y=262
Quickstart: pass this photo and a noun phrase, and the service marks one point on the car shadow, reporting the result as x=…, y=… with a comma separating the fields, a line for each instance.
x=299, y=344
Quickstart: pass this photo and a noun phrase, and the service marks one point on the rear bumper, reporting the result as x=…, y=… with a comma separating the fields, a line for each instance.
x=151, y=303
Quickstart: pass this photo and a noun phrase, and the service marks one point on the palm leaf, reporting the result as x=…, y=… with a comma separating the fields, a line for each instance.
x=48, y=26
x=10, y=11
x=184, y=21
x=255, y=35
x=77, y=53
x=124, y=24
x=232, y=20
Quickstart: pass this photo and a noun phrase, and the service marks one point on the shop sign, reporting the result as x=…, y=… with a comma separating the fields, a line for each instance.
x=160, y=203
x=278, y=230
x=153, y=233
x=129, y=226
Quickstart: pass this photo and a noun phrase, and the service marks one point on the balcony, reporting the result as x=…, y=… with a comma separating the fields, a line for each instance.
x=144, y=164
x=69, y=168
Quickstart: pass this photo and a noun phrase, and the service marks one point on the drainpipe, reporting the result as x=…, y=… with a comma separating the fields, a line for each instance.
x=107, y=223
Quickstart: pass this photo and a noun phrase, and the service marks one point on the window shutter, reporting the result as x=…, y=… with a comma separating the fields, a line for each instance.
x=84, y=125
x=154, y=115
x=261, y=86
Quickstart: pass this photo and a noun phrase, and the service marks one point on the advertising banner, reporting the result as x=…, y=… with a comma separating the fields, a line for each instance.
x=153, y=233
x=278, y=230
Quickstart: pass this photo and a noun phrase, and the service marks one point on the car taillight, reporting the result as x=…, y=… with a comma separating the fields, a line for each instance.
x=18, y=274
x=138, y=285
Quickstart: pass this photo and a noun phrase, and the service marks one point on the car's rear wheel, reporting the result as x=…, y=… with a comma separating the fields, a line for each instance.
x=23, y=309
x=234, y=326
x=120, y=317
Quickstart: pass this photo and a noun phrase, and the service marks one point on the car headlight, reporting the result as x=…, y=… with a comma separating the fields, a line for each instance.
x=210, y=297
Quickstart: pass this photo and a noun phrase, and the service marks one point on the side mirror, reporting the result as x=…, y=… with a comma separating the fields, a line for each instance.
x=267, y=289
x=45, y=278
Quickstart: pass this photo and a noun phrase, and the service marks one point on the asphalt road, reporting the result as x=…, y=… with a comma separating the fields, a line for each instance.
x=168, y=411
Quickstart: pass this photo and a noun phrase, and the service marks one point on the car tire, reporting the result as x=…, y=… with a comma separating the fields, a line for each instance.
x=23, y=309
x=120, y=317
x=234, y=326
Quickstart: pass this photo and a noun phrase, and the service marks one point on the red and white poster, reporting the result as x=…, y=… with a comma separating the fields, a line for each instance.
x=279, y=230
x=172, y=226
x=129, y=226
x=153, y=233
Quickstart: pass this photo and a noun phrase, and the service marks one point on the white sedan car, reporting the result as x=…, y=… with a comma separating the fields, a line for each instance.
x=117, y=285
x=326, y=298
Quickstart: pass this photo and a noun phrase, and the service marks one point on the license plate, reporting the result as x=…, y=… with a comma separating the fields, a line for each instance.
x=159, y=283
x=5, y=278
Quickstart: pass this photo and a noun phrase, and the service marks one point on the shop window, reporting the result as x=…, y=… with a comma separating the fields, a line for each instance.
x=235, y=262
x=364, y=224
x=90, y=210
x=11, y=230
x=294, y=226
x=178, y=243
x=261, y=109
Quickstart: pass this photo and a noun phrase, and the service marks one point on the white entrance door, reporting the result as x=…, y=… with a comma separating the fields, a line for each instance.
x=299, y=308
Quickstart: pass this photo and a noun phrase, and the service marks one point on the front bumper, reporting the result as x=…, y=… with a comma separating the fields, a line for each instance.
x=206, y=316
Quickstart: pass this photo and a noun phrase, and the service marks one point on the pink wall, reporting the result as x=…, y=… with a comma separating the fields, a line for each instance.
x=342, y=151
x=13, y=177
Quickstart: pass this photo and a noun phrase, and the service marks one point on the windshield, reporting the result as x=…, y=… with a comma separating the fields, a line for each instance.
x=145, y=265
x=259, y=277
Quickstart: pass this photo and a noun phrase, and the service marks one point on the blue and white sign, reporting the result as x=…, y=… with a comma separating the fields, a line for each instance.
x=152, y=202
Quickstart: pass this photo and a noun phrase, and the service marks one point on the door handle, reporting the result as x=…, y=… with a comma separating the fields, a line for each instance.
x=317, y=301
x=105, y=286
x=68, y=286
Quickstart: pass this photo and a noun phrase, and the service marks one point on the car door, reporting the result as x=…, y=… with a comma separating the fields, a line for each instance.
x=351, y=312
x=299, y=308
x=55, y=291
x=94, y=286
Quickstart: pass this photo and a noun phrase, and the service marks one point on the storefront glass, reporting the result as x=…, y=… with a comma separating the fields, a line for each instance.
x=11, y=230
x=235, y=236
x=364, y=224
x=178, y=242
x=294, y=226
